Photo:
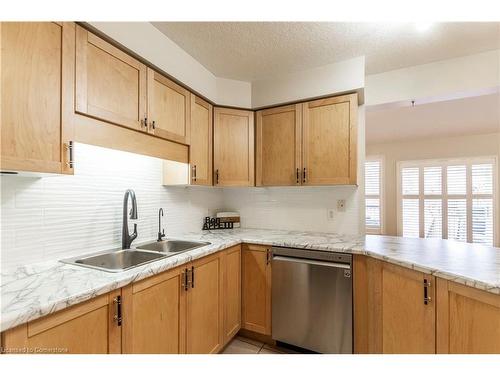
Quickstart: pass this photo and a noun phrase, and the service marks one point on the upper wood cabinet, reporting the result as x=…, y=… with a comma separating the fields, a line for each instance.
x=256, y=288
x=154, y=312
x=169, y=114
x=329, y=141
x=200, y=150
x=394, y=309
x=278, y=146
x=88, y=328
x=110, y=84
x=204, y=325
x=33, y=83
x=233, y=147
x=468, y=320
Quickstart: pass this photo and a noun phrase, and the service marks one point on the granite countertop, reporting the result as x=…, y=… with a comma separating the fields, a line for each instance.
x=35, y=290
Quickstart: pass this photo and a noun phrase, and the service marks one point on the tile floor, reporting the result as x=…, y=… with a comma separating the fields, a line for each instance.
x=243, y=345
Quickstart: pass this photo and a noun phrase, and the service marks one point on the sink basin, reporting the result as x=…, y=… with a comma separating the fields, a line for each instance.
x=117, y=261
x=172, y=246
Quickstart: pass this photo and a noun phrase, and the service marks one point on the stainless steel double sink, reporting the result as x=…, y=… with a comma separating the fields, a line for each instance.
x=121, y=260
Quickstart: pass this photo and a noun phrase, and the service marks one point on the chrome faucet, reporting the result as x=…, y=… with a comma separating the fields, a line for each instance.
x=160, y=233
x=126, y=237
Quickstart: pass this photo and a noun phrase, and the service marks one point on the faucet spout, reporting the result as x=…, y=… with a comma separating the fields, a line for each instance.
x=126, y=237
x=161, y=233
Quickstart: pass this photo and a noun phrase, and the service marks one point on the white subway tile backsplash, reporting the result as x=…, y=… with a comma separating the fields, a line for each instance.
x=295, y=208
x=57, y=217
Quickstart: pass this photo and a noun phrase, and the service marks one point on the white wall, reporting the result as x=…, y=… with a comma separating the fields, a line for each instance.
x=234, y=93
x=58, y=217
x=466, y=75
x=343, y=76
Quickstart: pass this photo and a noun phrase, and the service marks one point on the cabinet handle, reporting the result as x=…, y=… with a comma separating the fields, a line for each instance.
x=268, y=256
x=192, y=276
x=118, y=315
x=304, y=176
x=184, y=280
x=71, y=163
x=194, y=172
x=144, y=122
x=153, y=125
x=216, y=177
x=298, y=178
x=427, y=298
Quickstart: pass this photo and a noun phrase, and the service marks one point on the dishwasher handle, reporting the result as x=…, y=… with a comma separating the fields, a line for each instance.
x=344, y=266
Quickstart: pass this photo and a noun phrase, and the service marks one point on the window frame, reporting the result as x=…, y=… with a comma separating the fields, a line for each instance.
x=444, y=196
x=381, y=229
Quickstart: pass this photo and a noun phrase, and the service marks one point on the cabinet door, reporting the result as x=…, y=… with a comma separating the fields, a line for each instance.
x=87, y=328
x=110, y=85
x=200, y=150
x=233, y=147
x=204, y=307
x=408, y=323
x=31, y=62
x=278, y=146
x=330, y=141
x=468, y=320
x=256, y=289
x=169, y=108
x=232, y=292
x=154, y=313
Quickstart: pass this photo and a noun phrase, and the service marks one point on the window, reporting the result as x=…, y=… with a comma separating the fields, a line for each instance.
x=452, y=199
x=373, y=195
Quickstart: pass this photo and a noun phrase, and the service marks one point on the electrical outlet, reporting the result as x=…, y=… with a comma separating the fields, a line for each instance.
x=330, y=214
x=341, y=205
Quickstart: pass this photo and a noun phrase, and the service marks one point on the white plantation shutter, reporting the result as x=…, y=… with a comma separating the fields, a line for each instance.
x=457, y=219
x=448, y=199
x=433, y=218
x=457, y=181
x=482, y=203
x=411, y=218
x=482, y=179
x=373, y=196
x=410, y=181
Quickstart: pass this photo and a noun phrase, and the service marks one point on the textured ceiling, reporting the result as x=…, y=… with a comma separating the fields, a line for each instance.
x=474, y=115
x=255, y=50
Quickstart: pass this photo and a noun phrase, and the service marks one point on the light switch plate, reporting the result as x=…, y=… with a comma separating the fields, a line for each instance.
x=330, y=214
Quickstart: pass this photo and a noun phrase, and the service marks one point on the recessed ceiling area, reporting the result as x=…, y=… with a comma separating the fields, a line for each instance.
x=251, y=51
x=473, y=115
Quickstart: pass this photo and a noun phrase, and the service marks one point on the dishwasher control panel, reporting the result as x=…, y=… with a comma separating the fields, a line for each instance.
x=327, y=256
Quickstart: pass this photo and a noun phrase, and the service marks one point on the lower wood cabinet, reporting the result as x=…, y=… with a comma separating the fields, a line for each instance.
x=394, y=308
x=204, y=322
x=468, y=320
x=256, y=288
x=232, y=292
x=154, y=311
x=89, y=327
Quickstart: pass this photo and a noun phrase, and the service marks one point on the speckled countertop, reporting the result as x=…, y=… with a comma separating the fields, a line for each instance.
x=35, y=290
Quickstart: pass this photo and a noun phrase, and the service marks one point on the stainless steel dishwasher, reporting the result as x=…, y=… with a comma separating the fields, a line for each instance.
x=312, y=299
